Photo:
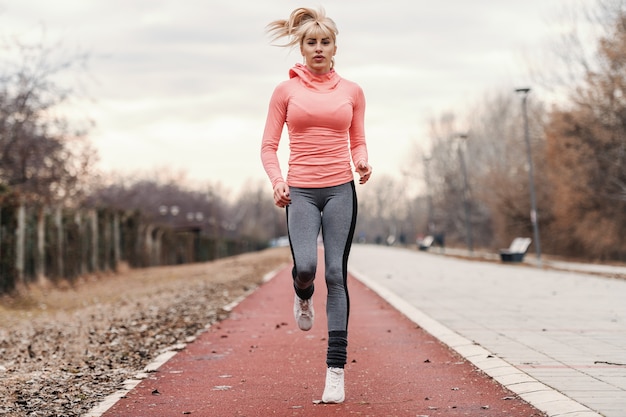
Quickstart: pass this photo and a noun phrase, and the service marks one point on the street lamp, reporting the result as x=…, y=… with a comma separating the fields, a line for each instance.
x=431, y=224
x=531, y=177
x=169, y=212
x=468, y=223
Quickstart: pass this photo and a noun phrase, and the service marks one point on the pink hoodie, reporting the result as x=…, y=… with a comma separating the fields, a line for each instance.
x=325, y=120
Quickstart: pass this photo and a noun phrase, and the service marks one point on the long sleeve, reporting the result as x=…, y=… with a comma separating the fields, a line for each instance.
x=276, y=117
x=358, y=146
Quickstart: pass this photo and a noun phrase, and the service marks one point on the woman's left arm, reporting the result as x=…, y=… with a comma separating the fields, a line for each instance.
x=358, y=145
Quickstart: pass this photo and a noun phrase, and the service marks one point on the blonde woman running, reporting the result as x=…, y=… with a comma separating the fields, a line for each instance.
x=324, y=114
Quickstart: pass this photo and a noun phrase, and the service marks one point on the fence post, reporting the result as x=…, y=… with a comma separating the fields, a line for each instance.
x=149, y=243
x=116, y=241
x=106, y=241
x=78, y=220
x=93, y=217
x=58, y=222
x=157, y=247
x=20, y=233
x=40, y=256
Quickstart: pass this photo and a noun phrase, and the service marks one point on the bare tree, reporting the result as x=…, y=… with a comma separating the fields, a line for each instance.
x=499, y=168
x=42, y=156
x=478, y=174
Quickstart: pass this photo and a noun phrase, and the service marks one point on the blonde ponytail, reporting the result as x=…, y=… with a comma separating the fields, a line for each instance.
x=302, y=22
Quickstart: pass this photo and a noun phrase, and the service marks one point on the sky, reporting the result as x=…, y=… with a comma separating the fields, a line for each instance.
x=184, y=85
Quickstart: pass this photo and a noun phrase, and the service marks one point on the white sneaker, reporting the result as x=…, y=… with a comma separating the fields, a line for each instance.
x=303, y=312
x=333, y=391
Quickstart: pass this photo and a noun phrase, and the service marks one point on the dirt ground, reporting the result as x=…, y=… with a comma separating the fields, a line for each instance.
x=63, y=349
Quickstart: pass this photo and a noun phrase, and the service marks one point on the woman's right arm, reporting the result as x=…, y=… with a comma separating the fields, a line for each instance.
x=276, y=117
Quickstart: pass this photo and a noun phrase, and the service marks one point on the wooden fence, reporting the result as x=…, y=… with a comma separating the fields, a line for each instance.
x=62, y=244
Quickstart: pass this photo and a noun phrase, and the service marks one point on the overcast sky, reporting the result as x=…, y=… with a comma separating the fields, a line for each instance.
x=185, y=84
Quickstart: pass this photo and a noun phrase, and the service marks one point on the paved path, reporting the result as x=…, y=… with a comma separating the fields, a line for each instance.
x=560, y=335
x=257, y=363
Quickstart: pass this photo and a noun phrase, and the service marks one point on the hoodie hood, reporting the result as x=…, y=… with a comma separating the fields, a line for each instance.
x=324, y=82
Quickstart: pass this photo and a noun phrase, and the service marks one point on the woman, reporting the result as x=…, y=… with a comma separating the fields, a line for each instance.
x=324, y=114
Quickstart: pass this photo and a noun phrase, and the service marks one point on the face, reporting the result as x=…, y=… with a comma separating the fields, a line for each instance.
x=318, y=53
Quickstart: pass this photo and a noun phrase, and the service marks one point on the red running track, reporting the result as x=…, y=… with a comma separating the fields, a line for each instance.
x=258, y=363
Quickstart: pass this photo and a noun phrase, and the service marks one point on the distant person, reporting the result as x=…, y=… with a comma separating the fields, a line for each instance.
x=440, y=240
x=324, y=114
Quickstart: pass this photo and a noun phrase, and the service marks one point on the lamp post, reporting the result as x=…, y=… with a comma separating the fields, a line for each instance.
x=531, y=176
x=431, y=223
x=214, y=222
x=468, y=223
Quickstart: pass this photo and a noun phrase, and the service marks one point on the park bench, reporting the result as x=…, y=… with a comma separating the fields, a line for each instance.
x=426, y=243
x=517, y=250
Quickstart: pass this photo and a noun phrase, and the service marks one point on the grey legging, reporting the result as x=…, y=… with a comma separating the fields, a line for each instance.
x=334, y=211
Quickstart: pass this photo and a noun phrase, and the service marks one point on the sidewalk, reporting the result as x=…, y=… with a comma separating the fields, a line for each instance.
x=257, y=363
x=560, y=335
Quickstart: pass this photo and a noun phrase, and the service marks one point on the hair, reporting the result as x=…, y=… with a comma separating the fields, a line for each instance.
x=301, y=23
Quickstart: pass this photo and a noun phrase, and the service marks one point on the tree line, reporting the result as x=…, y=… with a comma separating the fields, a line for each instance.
x=60, y=218
x=578, y=150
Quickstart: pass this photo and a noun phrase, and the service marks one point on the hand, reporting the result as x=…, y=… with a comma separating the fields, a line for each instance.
x=364, y=170
x=281, y=194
